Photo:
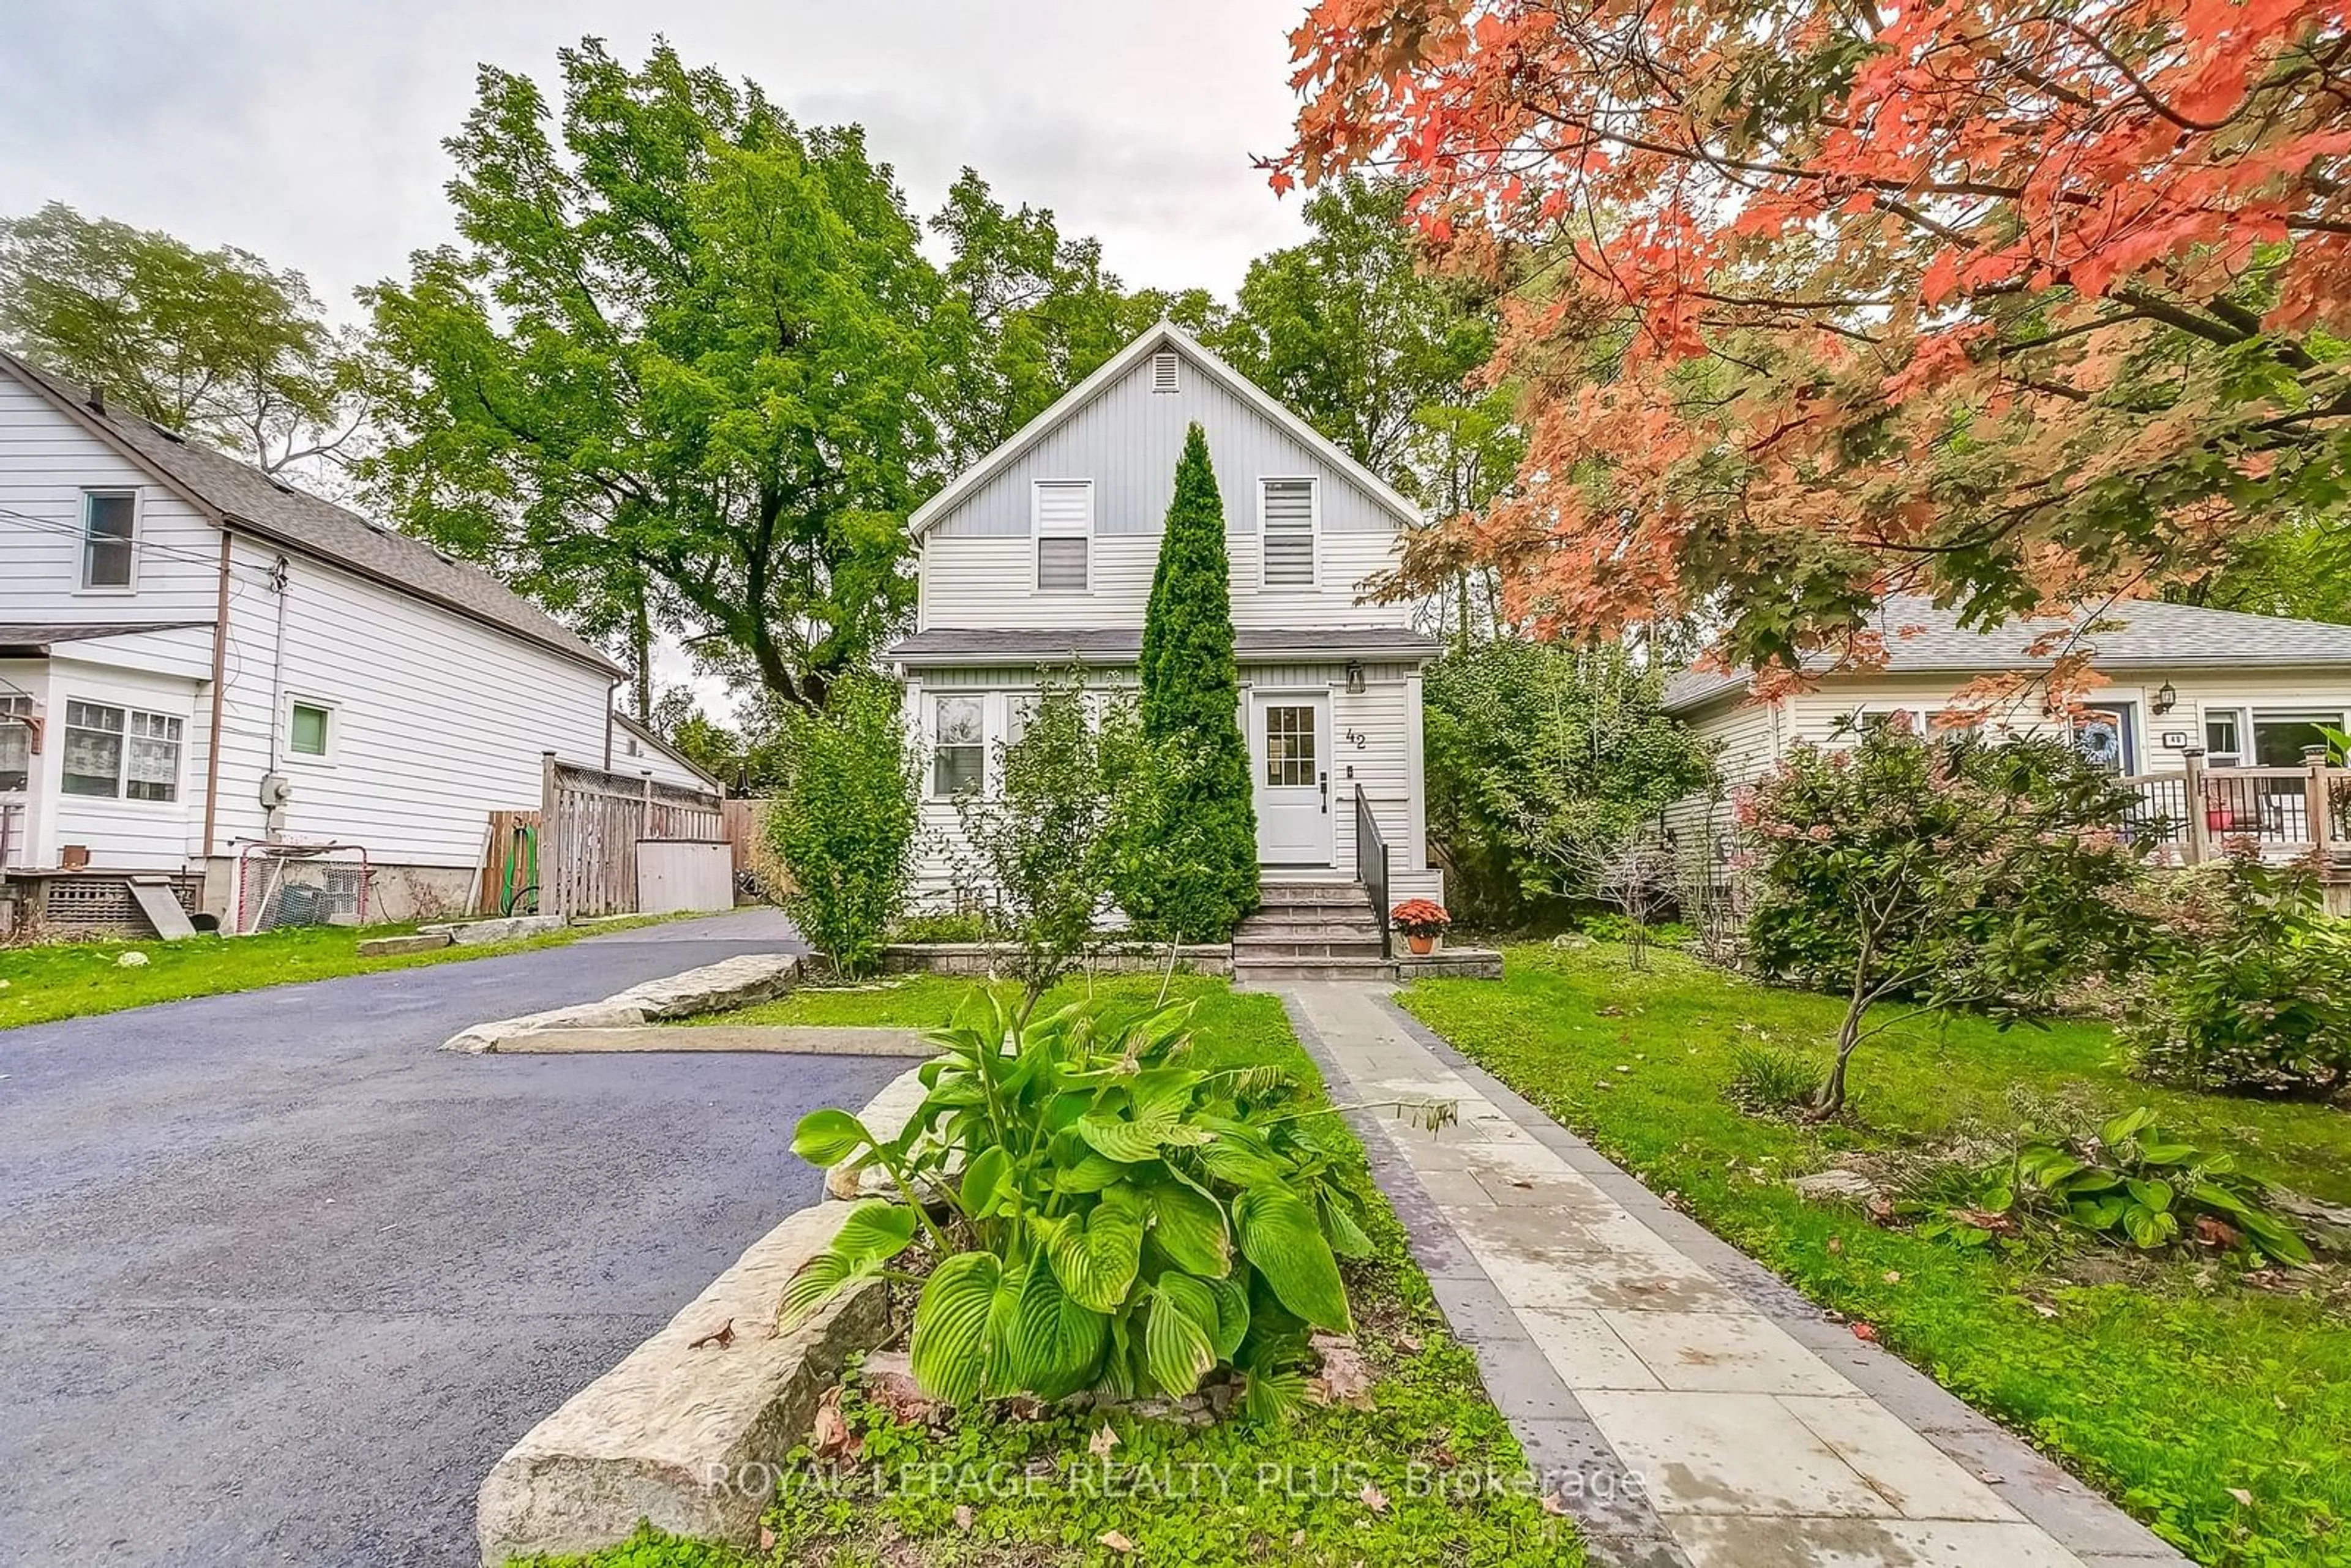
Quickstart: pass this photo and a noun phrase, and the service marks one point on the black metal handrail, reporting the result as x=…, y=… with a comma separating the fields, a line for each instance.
x=1372, y=865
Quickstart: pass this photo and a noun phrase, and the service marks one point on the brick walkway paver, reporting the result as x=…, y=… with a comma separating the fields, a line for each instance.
x=1688, y=1405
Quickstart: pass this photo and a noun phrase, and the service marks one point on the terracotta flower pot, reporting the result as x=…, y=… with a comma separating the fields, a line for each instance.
x=1421, y=944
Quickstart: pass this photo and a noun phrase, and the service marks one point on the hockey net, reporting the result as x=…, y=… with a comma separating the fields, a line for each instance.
x=282, y=885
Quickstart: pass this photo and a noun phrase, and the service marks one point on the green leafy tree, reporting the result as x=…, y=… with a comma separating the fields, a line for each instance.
x=1941, y=873
x=846, y=820
x=1541, y=761
x=678, y=369
x=1196, y=875
x=215, y=344
x=1351, y=333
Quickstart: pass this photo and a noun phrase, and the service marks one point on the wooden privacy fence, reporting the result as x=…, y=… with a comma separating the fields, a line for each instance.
x=590, y=823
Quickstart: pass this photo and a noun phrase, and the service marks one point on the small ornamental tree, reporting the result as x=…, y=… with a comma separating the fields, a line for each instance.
x=1199, y=876
x=845, y=821
x=1048, y=842
x=1944, y=873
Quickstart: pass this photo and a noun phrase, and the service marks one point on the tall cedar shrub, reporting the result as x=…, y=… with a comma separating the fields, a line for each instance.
x=845, y=821
x=1194, y=874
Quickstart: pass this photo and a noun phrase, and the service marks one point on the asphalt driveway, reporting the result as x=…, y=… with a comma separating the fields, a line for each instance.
x=279, y=1281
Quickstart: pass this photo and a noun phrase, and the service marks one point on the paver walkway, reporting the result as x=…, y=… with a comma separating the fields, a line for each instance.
x=1688, y=1407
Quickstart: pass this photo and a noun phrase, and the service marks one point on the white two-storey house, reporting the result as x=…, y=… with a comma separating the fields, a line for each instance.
x=196, y=659
x=1041, y=557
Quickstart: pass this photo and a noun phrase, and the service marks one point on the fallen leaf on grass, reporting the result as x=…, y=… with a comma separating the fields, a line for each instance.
x=1985, y=1220
x=767, y=1539
x=1373, y=1497
x=1345, y=1378
x=722, y=1337
x=1102, y=1442
x=1553, y=1506
x=2217, y=1233
x=831, y=1439
x=1837, y=1243
x=1114, y=1541
x=1881, y=1209
x=963, y=1516
x=1894, y=1276
x=2241, y=1495
x=1866, y=1333
x=1409, y=1344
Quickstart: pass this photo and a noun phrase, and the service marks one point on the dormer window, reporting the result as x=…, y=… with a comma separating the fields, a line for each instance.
x=1286, y=509
x=1065, y=526
x=1163, y=371
x=109, y=522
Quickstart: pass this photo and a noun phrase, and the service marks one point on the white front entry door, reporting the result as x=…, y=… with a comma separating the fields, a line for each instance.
x=1290, y=739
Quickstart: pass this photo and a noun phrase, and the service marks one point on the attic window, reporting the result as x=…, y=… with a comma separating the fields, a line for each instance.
x=1163, y=371
x=1286, y=512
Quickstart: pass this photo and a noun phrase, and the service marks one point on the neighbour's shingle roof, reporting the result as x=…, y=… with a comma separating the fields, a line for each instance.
x=2147, y=634
x=1111, y=645
x=253, y=503
x=21, y=640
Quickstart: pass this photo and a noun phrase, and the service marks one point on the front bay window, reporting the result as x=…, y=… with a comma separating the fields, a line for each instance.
x=115, y=753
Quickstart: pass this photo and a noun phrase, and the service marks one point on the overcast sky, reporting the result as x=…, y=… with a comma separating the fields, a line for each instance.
x=308, y=132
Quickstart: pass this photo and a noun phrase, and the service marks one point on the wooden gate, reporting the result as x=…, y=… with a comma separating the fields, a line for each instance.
x=589, y=822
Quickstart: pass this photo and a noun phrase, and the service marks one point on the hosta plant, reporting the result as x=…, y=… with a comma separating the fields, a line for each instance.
x=2132, y=1185
x=1107, y=1215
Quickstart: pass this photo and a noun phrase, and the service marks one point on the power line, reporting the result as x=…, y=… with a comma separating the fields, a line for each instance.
x=155, y=546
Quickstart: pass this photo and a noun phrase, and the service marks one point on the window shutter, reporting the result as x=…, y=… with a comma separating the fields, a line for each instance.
x=1163, y=371
x=1287, y=509
x=1065, y=523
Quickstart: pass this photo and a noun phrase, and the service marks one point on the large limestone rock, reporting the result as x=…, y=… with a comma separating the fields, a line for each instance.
x=729, y=983
x=693, y=1439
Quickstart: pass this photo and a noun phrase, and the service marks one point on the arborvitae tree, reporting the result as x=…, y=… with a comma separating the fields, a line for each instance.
x=1196, y=875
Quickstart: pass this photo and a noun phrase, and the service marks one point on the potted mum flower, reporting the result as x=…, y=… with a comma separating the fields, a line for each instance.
x=1422, y=921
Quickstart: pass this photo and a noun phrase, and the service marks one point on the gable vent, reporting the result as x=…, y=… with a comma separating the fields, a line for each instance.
x=1163, y=371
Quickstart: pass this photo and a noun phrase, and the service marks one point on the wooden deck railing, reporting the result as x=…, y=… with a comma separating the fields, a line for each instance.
x=2287, y=812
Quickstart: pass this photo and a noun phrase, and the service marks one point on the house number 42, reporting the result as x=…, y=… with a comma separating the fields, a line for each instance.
x=1356, y=737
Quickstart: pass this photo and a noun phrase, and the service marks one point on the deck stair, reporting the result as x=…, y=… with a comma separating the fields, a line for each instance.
x=1311, y=930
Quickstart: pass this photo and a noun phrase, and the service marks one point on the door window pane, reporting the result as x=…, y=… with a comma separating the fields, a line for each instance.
x=107, y=520
x=93, y=750
x=959, y=757
x=1289, y=746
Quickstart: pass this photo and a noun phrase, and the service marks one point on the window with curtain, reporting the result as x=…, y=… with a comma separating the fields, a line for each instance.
x=958, y=746
x=15, y=742
x=113, y=753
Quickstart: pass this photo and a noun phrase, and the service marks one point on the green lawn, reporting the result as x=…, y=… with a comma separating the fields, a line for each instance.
x=1429, y=1411
x=2167, y=1385
x=71, y=980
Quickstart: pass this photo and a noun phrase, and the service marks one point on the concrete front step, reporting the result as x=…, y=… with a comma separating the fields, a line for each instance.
x=1278, y=971
x=1279, y=893
x=1354, y=923
x=1249, y=948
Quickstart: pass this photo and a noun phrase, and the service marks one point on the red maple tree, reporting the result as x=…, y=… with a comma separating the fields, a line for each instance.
x=2022, y=303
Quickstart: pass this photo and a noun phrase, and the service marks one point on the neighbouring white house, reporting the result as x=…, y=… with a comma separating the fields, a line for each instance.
x=2240, y=700
x=196, y=659
x=1041, y=557
x=637, y=747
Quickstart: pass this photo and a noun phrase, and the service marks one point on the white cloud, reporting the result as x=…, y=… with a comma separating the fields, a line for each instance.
x=310, y=133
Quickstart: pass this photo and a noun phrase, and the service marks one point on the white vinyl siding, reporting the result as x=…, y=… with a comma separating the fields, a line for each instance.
x=1286, y=512
x=1065, y=524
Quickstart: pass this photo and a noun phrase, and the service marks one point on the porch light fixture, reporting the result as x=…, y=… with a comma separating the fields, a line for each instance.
x=2166, y=697
x=1355, y=676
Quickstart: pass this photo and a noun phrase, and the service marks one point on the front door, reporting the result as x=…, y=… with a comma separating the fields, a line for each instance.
x=2104, y=735
x=1290, y=739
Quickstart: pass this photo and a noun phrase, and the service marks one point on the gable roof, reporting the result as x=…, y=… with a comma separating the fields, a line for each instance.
x=1165, y=335
x=2149, y=633
x=246, y=500
x=646, y=733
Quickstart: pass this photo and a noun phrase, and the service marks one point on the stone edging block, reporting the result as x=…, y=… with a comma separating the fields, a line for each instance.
x=690, y=1439
x=729, y=983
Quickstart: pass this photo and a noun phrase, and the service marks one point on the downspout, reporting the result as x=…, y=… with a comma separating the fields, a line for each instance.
x=220, y=680
x=612, y=693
